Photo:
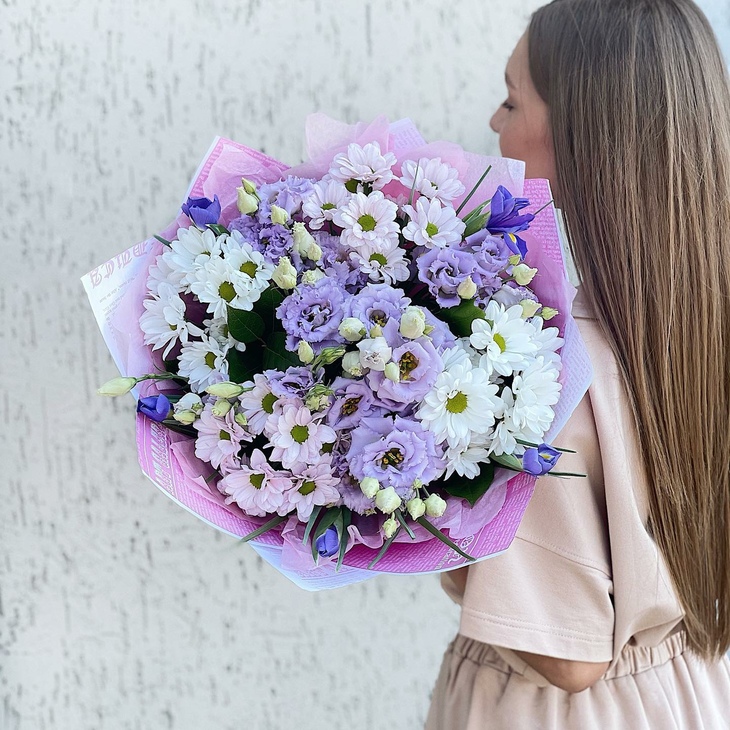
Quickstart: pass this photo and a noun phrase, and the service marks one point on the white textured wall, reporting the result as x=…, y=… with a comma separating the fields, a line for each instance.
x=119, y=610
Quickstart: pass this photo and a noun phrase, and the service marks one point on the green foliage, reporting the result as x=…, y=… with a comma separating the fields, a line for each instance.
x=470, y=489
x=460, y=317
x=245, y=326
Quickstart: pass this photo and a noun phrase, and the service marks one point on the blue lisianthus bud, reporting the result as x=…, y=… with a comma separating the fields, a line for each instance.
x=540, y=460
x=328, y=542
x=202, y=211
x=156, y=407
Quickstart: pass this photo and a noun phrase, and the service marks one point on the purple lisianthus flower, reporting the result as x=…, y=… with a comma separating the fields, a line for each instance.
x=443, y=269
x=540, y=460
x=248, y=226
x=396, y=452
x=419, y=366
x=287, y=194
x=505, y=218
x=377, y=303
x=511, y=293
x=275, y=241
x=156, y=407
x=294, y=382
x=202, y=211
x=337, y=264
x=352, y=497
x=354, y=400
x=313, y=313
x=328, y=543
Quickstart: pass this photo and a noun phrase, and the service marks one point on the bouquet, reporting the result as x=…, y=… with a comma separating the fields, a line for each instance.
x=355, y=358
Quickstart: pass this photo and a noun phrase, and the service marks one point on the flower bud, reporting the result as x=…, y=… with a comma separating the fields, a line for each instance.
x=285, y=275
x=117, y=386
x=318, y=397
x=314, y=251
x=514, y=259
x=416, y=508
x=190, y=402
x=279, y=216
x=225, y=390
x=247, y=203
x=312, y=276
x=220, y=408
x=187, y=418
x=390, y=527
x=376, y=331
x=305, y=352
x=328, y=355
x=548, y=313
x=467, y=289
x=370, y=486
x=387, y=500
x=351, y=364
x=435, y=506
x=240, y=419
x=305, y=243
x=412, y=323
x=248, y=186
x=529, y=308
x=352, y=329
x=392, y=372
x=523, y=274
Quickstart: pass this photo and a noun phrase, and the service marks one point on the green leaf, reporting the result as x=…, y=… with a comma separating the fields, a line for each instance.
x=476, y=224
x=473, y=190
x=508, y=461
x=163, y=240
x=440, y=535
x=245, y=326
x=327, y=520
x=346, y=515
x=218, y=229
x=276, y=356
x=471, y=489
x=242, y=366
x=384, y=549
x=312, y=519
x=402, y=519
x=460, y=317
x=273, y=522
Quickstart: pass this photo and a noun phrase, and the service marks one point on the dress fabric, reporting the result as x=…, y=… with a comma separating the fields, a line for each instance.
x=583, y=580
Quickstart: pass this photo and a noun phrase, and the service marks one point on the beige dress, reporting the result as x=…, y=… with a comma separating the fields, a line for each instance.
x=583, y=580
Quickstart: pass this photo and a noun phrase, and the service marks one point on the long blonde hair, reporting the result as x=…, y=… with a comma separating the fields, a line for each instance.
x=640, y=115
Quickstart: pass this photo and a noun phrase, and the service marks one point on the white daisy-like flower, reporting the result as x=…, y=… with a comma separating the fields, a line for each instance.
x=536, y=389
x=238, y=279
x=461, y=403
x=161, y=272
x=368, y=220
x=506, y=340
x=548, y=341
x=466, y=462
x=219, y=439
x=190, y=252
x=315, y=486
x=320, y=206
x=299, y=437
x=433, y=178
x=163, y=321
x=258, y=403
x=387, y=265
x=218, y=330
x=203, y=363
x=433, y=225
x=363, y=165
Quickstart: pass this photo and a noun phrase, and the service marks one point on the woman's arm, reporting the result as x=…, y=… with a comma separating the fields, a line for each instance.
x=567, y=675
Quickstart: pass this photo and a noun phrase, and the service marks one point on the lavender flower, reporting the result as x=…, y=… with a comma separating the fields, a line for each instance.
x=294, y=382
x=353, y=498
x=443, y=269
x=354, y=400
x=156, y=407
x=202, y=211
x=313, y=313
x=540, y=460
x=377, y=303
x=274, y=242
x=288, y=194
x=396, y=452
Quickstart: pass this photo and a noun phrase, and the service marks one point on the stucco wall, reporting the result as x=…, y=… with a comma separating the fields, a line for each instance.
x=119, y=610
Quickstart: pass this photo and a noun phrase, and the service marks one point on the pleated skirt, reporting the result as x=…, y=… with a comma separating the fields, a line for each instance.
x=658, y=688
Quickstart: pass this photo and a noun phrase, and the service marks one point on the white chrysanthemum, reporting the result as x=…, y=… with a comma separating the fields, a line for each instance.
x=548, y=341
x=238, y=279
x=461, y=403
x=191, y=251
x=433, y=225
x=164, y=323
x=217, y=328
x=364, y=164
x=203, y=363
x=368, y=220
x=320, y=206
x=433, y=178
x=161, y=272
x=387, y=265
x=505, y=338
x=535, y=390
x=466, y=462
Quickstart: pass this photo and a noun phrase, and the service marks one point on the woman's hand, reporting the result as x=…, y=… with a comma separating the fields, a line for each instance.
x=567, y=675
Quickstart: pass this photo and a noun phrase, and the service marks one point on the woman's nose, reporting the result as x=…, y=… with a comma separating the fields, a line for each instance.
x=496, y=121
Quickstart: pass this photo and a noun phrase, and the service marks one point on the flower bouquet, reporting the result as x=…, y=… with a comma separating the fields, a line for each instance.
x=354, y=364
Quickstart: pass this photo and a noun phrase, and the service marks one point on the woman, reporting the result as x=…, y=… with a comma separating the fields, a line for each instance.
x=611, y=609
